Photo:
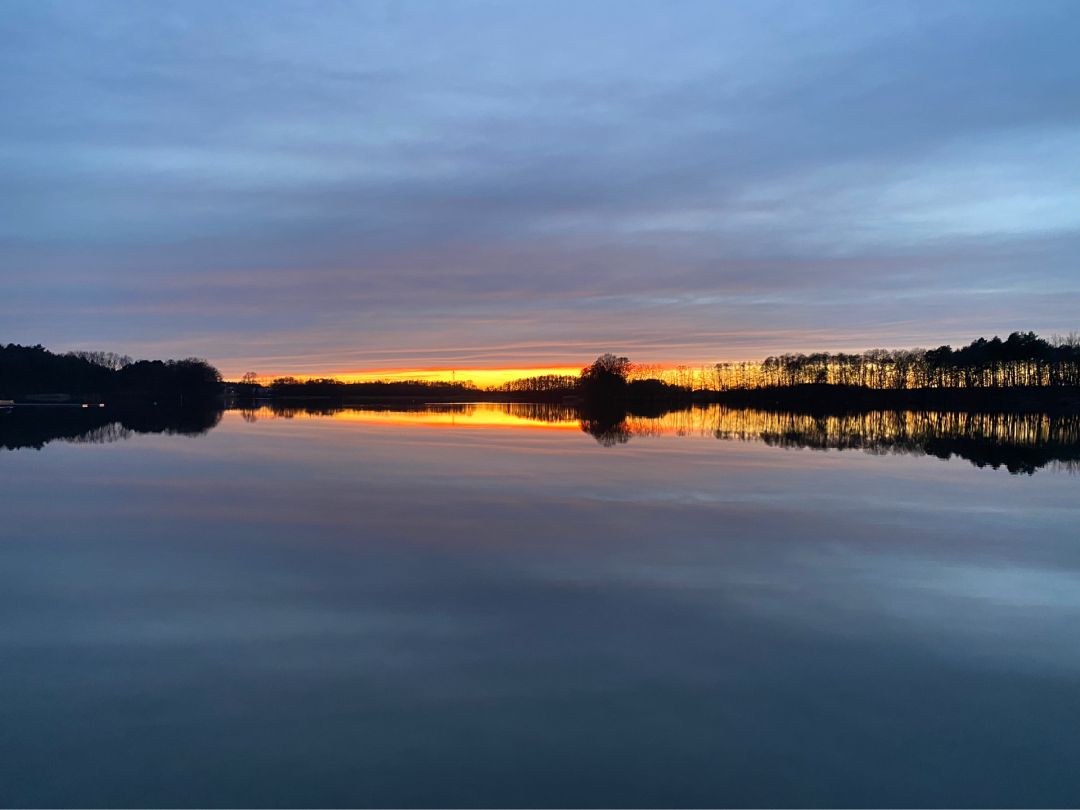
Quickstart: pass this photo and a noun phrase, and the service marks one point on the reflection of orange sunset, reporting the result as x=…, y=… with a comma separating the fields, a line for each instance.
x=907, y=432
x=469, y=417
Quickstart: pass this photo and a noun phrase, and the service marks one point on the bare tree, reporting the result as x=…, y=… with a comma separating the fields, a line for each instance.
x=109, y=360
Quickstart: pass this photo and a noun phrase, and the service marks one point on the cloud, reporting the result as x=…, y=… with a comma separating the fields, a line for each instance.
x=366, y=179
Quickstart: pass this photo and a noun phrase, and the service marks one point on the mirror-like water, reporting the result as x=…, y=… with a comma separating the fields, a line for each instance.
x=521, y=606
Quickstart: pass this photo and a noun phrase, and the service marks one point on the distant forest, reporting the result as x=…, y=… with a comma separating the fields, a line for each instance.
x=33, y=372
x=1021, y=360
x=999, y=369
x=328, y=387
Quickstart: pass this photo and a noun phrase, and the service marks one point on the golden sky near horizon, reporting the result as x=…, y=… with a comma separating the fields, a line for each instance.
x=481, y=377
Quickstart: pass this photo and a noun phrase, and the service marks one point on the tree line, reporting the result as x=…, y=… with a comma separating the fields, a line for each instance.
x=34, y=371
x=329, y=388
x=541, y=384
x=1021, y=360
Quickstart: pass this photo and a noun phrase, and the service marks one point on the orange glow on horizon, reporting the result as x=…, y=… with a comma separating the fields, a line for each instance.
x=480, y=377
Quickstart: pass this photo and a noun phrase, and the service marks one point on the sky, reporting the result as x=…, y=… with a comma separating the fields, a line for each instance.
x=352, y=188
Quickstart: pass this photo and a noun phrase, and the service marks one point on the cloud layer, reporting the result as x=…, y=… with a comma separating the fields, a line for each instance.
x=321, y=187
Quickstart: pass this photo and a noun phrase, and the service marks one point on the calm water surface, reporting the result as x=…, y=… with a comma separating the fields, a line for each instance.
x=489, y=606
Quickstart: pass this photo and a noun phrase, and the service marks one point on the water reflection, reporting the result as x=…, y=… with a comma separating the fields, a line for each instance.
x=453, y=414
x=37, y=426
x=480, y=606
x=1019, y=442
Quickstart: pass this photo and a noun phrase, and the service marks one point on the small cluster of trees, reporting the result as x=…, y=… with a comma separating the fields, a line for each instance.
x=32, y=370
x=606, y=377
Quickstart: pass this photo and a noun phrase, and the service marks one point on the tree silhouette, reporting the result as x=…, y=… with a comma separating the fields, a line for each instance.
x=605, y=378
x=1023, y=360
x=27, y=371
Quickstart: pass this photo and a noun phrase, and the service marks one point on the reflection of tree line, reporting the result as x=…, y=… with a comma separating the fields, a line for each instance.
x=542, y=411
x=29, y=426
x=1021, y=442
x=103, y=434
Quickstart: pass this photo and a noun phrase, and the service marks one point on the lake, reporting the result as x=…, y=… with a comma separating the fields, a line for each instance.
x=499, y=605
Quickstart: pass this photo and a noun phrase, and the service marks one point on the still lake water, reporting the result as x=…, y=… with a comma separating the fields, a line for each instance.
x=488, y=606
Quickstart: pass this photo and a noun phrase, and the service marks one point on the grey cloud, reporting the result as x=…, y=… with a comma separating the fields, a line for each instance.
x=433, y=164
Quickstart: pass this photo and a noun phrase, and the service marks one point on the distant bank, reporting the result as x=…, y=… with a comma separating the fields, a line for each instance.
x=1020, y=373
x=33, y=374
